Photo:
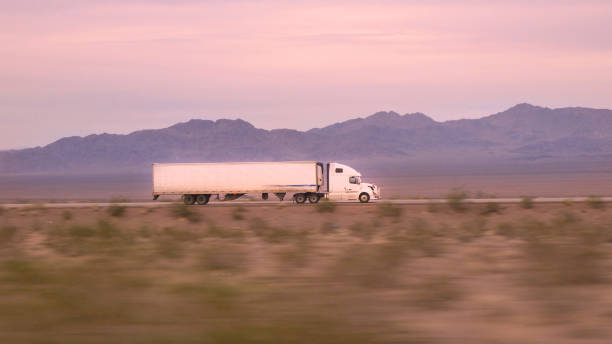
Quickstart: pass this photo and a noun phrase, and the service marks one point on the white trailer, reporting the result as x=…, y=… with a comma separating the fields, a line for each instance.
x=197, y=182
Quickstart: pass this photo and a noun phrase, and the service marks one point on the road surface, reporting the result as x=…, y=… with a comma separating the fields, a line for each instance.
x=247, y=203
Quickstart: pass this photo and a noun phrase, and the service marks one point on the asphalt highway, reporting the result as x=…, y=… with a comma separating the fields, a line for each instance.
x=248, y=203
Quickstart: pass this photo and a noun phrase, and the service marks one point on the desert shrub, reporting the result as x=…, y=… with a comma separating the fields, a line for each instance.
x=506, y=229
x=567, y=202
x=563, y=263
x=276, y=235
x=107, y=230
x=325, y=206
x=222, y=232
x=435, y=292
x=268, y=233
x=79, y=239
x=178, y=234
x=421, y=236
x=224, y=257
x=471, y=230
x=297, y=255
x=328, y=227
x=116, y=210
x=171, y=242
x=532, y=229
x=595, y=202
x=456, y=200
x=371, y=265
x=24, y=272
x=491, y=208
x=170, y=249
x=565, y=218
x=183, y=211
x=386, y=209
x=220, y=297
x=145, y=231
x=526, y=202
x=81, y=231
x=36, y=206
x=238, y=213
x=361, y=230
x=258, y=226
x=7, y=233
x=67, y=215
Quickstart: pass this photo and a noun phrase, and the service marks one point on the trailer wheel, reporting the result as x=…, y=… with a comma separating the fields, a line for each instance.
x=364, y=197
x=188, y=199
x=313, y=198
x=202, y=199
x=300, y=198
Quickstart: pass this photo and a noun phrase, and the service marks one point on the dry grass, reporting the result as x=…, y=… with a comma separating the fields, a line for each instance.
x=491, y=208
x=179, y=210
x=595, y=202
x=456, y=200
x=287, y=275
x=526, y=202
x=325, y=206
x=386, y=209
x=116, y=210
x=238, y=213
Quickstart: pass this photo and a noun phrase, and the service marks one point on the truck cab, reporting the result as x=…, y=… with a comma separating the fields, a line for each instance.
x=344, y=183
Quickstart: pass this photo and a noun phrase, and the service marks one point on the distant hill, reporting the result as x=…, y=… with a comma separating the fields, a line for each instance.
x=521, y=132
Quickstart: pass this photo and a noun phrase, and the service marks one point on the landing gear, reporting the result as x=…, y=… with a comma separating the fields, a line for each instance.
x=264, y=196
x=231, y=197
x=202, y=199
x=299, y=198
x=189, y=199
x=280, y=195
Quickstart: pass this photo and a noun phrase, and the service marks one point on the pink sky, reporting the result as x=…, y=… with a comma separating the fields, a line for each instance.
x=81, y=67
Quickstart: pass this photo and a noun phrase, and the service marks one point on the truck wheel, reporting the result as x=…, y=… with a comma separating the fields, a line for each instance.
x=300, y=198
x=202, y=199
x=188, y=199
x=313, y=198
x=364, y=197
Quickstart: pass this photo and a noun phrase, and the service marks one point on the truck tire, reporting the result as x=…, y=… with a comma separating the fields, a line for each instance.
x=364, y=197
x=202, y=199
x=299, y=198
x=189, y=199
x=313, y=198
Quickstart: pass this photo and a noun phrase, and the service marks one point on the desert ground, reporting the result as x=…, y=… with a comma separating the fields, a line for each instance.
x=377, y=273
x=138, y=187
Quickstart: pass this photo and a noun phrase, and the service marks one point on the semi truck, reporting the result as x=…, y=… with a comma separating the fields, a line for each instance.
x=305, y=180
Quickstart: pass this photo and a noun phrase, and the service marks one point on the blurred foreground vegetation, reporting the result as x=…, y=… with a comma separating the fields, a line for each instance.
x=353, y=274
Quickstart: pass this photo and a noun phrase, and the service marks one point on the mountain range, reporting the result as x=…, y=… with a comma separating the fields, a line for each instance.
x=523, y=132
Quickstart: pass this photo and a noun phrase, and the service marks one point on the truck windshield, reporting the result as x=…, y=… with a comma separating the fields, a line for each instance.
x=355, y=180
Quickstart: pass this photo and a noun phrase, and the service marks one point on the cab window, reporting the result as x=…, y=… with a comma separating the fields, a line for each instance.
x=354, y=180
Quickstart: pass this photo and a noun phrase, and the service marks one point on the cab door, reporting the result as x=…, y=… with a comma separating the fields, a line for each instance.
x=352, y=188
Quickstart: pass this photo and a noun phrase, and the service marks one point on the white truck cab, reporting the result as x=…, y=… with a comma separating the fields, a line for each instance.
x=344, y=183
